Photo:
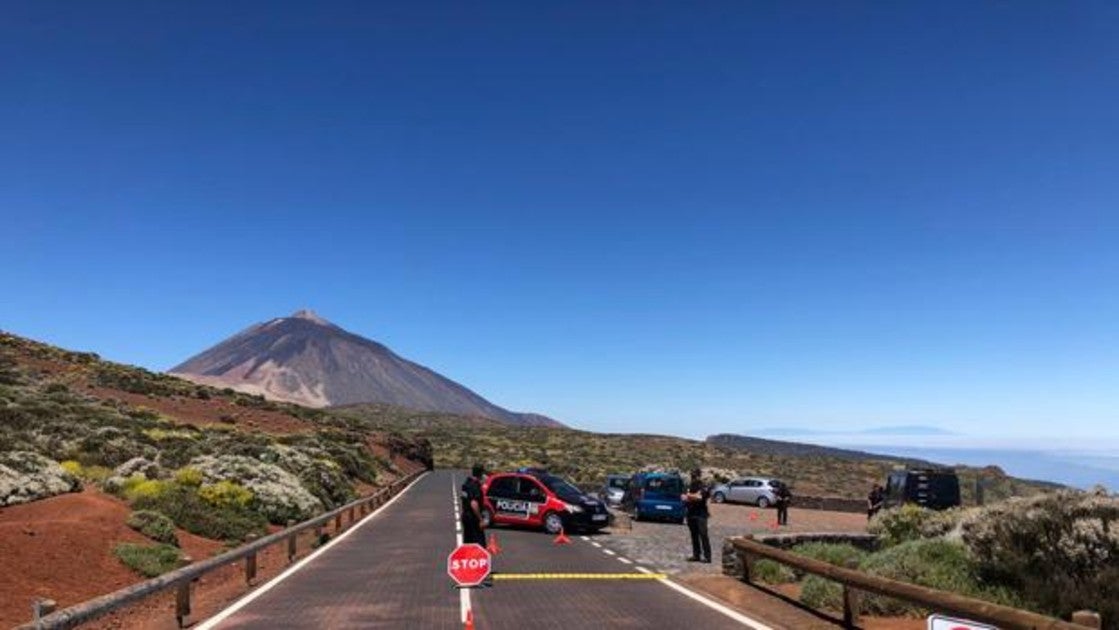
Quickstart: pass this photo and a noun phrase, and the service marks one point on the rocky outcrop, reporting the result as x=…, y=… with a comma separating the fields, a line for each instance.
x=27, y=476
x=278, y=493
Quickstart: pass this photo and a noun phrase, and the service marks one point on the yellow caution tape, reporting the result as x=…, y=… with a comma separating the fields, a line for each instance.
x=579, y=576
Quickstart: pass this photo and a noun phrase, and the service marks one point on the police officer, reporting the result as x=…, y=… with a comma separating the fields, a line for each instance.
x=695, y=503
x=471, y=500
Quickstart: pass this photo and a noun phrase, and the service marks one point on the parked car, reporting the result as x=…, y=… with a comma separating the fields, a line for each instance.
x=655, y=496
x=759, y=491
x=936, y=489
x=535, y=498
x=614, y=489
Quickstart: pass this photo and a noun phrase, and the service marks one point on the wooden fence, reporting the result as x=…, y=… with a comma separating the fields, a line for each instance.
x=183, y=577
x=855, y=582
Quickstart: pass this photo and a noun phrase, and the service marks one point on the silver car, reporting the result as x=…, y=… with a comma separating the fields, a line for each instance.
x=759, y=491
x=614, y=489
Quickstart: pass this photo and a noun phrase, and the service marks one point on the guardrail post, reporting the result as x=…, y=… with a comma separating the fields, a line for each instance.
x=42, y=608
x=1087, y=618
x=182, y=603
x=337, y=522
x=351, y=516
x=293, y=542
x=250, y=565
x=850, y=600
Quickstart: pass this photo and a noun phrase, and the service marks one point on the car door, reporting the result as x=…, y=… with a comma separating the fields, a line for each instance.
x=504, y=497
x=534, y=495
x=736, y=491
x=751, y=491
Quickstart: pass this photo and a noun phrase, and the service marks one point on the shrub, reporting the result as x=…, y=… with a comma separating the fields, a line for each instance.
x=1060, y=551
x=188, y=477
x=148, y=560
x=139, y=487
x=154, y=525
x=912, y=522
x=226, y=494
x=840, y=555
x=936, y=563
x=818, y=592
x=95, y=474
x=183, y=506
x=72, y=467
x=771, y=572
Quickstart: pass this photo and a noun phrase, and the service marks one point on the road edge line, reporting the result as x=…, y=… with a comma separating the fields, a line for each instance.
x=710, y=603
x=270, y=584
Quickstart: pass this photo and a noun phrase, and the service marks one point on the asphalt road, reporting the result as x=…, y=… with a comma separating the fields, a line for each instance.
x=390, y=571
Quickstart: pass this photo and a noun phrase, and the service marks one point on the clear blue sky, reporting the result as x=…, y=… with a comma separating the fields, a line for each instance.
x=662, y=216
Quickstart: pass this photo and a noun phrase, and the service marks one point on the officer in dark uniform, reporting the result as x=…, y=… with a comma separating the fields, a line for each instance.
x=695, y=505
x=471, y=500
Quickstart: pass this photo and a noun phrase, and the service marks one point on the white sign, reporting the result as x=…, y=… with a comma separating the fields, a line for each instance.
x=940, y=622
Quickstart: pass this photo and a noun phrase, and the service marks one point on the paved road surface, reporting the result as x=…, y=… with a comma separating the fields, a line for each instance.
x=390, y=571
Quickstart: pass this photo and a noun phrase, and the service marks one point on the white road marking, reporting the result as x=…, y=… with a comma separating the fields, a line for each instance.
x=585, y=537
x=625, y=560
x=464, y=605
x=608, y=552
x=599, y=545
x=269, y=585
x=710, y=603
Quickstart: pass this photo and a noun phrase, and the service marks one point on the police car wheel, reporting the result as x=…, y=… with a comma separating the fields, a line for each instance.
x=487, y=517
x=553, y=523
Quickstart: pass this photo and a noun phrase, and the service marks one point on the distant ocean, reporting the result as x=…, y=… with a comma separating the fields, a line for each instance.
x=1077, y=469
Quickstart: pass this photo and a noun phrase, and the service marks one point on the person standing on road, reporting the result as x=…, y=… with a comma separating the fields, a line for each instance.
x=874, y=501
x=471, y=508
x=784, y=497
x=473, y=526
x=695, y=503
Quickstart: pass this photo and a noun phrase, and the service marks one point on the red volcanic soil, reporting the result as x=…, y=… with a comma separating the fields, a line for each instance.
x=62, y=549
x=214, y=411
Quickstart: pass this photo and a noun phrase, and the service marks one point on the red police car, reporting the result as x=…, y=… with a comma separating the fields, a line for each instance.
x=535, y=498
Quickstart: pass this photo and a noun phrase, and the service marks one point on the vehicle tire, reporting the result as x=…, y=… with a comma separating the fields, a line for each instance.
x=635, y=515
x=487, y=518
x=553, y=522
x=763, y=502
x=719, y=497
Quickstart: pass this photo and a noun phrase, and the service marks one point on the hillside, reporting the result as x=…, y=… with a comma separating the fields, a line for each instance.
x=799, y=449
x=307, y=360
x=87, y=445
x=587, y=457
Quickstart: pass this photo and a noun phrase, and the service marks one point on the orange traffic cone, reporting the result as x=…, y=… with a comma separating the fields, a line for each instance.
x=562, y=539
x=753, y=516
x=493, y=547
x=774, y=525
x=469, y=620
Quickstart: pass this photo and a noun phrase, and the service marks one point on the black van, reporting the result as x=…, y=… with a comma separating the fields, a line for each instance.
x=929, y=488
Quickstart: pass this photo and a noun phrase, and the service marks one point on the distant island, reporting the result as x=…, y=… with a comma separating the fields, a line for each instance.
x=908, y=429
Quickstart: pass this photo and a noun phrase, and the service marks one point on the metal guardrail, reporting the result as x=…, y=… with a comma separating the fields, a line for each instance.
x=939, y=601
x=183, y=577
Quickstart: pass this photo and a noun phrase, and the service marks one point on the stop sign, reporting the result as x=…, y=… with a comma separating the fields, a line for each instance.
x=468, y=565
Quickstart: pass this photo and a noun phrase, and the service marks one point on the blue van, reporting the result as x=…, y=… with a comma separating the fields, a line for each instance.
x=655, y=496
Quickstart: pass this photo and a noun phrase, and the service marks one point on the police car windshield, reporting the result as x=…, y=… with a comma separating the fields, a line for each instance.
x=560, y=487
x=619, y=482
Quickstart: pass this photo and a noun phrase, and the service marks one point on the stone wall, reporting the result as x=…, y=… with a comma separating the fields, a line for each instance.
x=831, y=504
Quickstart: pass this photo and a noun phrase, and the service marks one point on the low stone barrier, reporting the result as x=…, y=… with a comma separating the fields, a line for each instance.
x=830, y=504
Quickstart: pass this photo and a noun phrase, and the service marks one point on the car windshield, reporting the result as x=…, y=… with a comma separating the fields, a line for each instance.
x=618, y=482
x=561, y=487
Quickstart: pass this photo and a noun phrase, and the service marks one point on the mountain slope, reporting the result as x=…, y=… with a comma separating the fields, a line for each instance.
x=307, y=360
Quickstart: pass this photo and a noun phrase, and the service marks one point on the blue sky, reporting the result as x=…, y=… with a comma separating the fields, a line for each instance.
x=650, y=216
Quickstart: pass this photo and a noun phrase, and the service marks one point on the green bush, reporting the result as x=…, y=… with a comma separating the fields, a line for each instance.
x=138, y=487
x=148, y=560
x=837, y=554
x=771, y=572
x=190, y=512
x=912, y=522
x=818, y=592
x=936, y=563
x=154, y=525
x=191, y=477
